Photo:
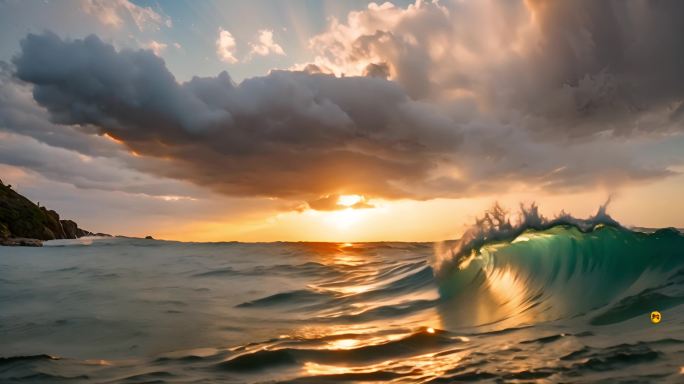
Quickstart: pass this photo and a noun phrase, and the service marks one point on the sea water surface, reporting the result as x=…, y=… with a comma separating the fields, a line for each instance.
x=559, y=304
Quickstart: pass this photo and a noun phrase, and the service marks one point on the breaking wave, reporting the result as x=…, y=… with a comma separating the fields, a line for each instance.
x=546, y=269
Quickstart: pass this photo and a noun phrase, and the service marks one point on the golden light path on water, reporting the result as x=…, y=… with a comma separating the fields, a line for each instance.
x=426, y=364
x=502, y=300
x=431, y=364
x=356, y=337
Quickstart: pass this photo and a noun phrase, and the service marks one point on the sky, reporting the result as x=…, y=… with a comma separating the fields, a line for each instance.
x=340, y=120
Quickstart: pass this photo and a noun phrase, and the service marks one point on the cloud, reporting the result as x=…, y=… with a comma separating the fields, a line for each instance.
x=565, y=70
x=76, y=172
x=311, y=137
x=117, y=12
x=288, y=134
x=157, y=47
x=265, y=45
x=225, y=47
x=83, y=171
x=20, y=114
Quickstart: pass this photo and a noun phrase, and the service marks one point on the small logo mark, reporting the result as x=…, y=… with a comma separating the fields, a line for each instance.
x=656, y=317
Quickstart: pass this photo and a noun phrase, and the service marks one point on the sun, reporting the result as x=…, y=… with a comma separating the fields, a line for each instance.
x=345, y=219
x=349, y=200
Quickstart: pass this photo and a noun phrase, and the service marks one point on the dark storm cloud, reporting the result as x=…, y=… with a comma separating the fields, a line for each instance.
x=20, y=114
x=68, y=154
x=288, y=134
x=607, y=65
x=535, y=105
x=564, y=69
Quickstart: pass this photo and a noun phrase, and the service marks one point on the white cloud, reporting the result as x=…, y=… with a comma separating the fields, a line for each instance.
x=116, y=12
x=225, y=46
x=157, y=47
x=265, y=45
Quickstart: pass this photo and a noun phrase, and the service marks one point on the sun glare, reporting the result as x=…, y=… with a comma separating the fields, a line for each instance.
x=345, y=219
x=349, y=200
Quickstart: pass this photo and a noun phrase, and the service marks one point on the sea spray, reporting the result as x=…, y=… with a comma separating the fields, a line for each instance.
x=495, y=226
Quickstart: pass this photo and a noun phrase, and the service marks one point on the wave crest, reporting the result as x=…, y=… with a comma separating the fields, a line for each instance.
x=495, y=226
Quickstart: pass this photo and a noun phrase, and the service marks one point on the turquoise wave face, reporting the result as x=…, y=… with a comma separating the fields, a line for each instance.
x=608, y=273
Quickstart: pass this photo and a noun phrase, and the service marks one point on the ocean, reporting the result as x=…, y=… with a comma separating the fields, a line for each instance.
x=563, y=303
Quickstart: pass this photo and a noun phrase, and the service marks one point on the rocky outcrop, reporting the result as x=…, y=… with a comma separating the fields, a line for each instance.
x=22, y=221
x=21, y=242
x=72, y=231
